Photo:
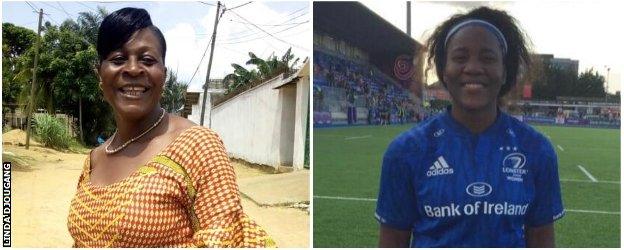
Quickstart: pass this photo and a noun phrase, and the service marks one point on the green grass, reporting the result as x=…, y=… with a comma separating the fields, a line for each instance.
x=347, y=163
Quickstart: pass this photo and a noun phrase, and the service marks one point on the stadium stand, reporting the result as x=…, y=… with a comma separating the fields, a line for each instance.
x=357, y=92
x=362, y=76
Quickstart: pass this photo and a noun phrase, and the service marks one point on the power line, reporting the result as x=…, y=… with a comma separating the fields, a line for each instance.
x=258, y=27
x=234, y=42
x=207, y=46
x=254, y=33
x=297, y=11
x=50, y=16
x=31, y=6
x=210, y=4
x=70, y=15
x=274, y=25
x=241, y=5
x=96, y=11
x=293, y=18
x=52, y=19
x=51, y=6
x=201, y=60
x=279, y=24
x=36, y=7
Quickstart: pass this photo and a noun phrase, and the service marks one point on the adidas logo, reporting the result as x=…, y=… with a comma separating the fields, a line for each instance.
x=439, y=167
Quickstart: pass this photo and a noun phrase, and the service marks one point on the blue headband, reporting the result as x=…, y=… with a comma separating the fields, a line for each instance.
x=476, y=22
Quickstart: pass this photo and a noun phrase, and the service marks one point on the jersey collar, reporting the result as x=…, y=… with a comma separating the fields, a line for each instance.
x=460, y=129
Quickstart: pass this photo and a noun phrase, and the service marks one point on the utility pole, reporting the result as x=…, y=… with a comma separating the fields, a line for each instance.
x=607, y=83
x=34, y=82
x=214, y=35
x=409, y=18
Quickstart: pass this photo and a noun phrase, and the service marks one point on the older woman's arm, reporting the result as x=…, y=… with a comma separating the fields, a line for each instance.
x=220, y=220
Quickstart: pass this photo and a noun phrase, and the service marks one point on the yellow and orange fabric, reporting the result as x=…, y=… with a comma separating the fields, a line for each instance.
x=186, y=196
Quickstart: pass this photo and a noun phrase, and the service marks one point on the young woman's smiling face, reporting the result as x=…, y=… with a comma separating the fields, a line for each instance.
x=474, y=70
x=133, y=76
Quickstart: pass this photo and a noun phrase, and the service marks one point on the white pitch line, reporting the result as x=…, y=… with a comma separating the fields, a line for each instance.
x=358, y=137
x=589, y=181
x=343, y=198
x=590, y=211
x=374, y=200
x=560, y=148
x=587, y=173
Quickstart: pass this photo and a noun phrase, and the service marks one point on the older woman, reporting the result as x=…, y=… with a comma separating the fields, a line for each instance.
x=472, y=176
x=160, y=180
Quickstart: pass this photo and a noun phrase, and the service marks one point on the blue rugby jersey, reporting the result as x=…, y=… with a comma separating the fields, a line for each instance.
x=455, y=189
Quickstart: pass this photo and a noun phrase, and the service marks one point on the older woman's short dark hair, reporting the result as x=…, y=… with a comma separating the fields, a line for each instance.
x=517, y=53
x=117, y=28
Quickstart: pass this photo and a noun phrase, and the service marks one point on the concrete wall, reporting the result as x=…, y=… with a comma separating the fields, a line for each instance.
x=301, y=119
x=196, y=110
x=251, y=125
x=264, y=125
x=288, y=95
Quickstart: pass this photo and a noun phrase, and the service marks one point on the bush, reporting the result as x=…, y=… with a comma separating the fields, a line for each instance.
x=52, y=132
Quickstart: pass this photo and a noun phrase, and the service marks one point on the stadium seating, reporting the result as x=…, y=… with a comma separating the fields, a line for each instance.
x=336, y=76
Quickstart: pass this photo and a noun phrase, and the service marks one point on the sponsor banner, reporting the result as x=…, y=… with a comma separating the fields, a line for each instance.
x=604, y=123
x=539, y=119
x=575, y=121
x=568, y=121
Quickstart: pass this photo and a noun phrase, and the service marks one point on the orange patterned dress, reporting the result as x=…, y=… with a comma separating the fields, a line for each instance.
x=186, y=196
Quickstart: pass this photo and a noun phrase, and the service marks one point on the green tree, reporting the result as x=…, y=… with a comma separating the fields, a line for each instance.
x=77, y=75
x=88, y=23
x=16, y=41
x=265, y=69
x=552, y=82
x=66, y=75
x=272, y=66
x=241, y=77
x=590, y=84
x=289, y=60
x=174, y=93
x=46, y=70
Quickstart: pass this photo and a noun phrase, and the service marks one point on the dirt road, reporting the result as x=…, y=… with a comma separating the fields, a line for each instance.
x=43, y=191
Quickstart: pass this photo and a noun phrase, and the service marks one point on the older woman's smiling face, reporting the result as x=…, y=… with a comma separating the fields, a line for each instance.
x=133, y=76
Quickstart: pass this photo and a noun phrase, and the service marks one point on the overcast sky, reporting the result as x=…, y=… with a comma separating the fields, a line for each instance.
x=588, y=31
x=188, y=26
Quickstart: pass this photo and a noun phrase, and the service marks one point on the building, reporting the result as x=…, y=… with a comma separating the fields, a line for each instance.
x=436, y=91
x=562, y=63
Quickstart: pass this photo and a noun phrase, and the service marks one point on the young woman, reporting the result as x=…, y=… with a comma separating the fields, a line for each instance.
x=472, y=176
x=160, y=180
